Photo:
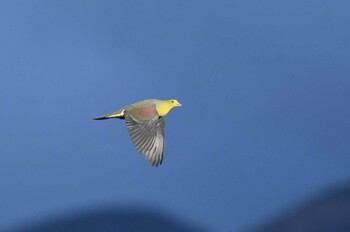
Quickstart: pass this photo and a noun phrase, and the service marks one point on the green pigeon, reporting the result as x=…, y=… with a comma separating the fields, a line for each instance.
x=145, y=124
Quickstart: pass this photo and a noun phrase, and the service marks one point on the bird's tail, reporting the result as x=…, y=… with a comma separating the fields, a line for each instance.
x=117, y=114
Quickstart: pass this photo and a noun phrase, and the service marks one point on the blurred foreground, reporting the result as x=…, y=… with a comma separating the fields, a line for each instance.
x=111, y=220
x=327, y=213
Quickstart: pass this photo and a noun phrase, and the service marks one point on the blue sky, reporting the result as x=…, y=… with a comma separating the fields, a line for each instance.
x=264, y=123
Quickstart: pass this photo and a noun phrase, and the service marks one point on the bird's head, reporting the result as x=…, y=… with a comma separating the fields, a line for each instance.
x=163, y=107
x=174, y=103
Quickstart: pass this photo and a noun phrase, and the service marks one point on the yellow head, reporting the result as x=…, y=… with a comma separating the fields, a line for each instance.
x=163, y=107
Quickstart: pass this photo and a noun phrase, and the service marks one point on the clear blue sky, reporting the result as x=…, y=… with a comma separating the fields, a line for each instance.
x=265, y=119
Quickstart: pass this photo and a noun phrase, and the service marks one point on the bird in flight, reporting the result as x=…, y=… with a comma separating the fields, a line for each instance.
x=145, y=124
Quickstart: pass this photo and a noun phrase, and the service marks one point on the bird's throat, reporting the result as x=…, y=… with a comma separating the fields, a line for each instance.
x=163, y=108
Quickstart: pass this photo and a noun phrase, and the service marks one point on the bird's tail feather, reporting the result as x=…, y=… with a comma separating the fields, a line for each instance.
x=117, y=114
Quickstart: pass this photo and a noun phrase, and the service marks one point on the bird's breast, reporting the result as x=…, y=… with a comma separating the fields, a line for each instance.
x=146, y=113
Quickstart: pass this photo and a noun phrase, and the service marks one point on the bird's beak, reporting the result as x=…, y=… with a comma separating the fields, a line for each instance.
x=178, y=104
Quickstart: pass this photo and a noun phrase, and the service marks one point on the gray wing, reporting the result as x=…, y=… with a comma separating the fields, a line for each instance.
x=148, y=137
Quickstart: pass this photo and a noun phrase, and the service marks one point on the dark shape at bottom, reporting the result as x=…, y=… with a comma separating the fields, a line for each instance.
x=112, y=220
x=330, y=213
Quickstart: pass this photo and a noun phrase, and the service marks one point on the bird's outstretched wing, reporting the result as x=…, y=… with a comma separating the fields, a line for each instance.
x=147, y=136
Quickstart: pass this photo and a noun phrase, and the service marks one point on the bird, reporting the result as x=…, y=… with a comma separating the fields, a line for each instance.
x=145, y=124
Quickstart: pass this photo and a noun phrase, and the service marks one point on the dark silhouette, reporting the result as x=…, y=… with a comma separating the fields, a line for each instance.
x=328, y=213
x=108, y=220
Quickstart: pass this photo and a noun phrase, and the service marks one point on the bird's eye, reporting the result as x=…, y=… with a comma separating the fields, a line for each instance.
x=172, y=101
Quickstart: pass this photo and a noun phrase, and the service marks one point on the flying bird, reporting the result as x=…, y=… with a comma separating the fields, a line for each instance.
x=145, y=124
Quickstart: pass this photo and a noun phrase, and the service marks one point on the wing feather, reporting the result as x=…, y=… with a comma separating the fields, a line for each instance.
x=147, y=136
